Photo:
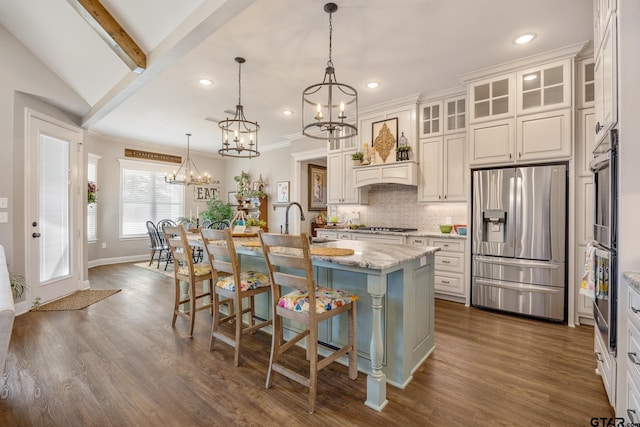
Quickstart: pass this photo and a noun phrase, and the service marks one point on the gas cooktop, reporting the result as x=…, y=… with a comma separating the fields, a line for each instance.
x=394, y=229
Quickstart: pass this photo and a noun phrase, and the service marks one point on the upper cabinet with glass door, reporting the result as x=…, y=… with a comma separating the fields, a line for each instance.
x=491, y=99
x=338, y=145
x=586, y=83
x=545, y=87
x=431, y=119
x=455, y=114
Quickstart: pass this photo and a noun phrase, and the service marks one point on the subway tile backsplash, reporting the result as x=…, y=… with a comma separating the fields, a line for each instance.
x=394, y=205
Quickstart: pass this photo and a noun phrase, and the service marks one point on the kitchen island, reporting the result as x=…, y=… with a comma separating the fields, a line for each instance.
x=395, y=285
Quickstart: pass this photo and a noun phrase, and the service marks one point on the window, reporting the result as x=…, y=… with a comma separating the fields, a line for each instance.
x=145, y=196
x=92, y=209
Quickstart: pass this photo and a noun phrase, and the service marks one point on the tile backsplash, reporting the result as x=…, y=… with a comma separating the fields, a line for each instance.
x=394, y=205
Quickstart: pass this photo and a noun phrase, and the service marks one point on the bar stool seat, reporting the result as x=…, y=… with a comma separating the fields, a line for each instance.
x=249, y=280
x=326, y=299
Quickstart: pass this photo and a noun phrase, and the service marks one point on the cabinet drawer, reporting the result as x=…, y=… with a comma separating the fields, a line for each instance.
x=446, y=261
x=633, y=338
x=417, y=241
x=606, y=367
x=448, y=245
x=633, y=310
x=449, y=283
x=633, y=398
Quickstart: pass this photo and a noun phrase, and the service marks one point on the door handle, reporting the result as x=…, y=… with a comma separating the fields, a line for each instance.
x=599, y=127
x=634, y=358
x=35, y=235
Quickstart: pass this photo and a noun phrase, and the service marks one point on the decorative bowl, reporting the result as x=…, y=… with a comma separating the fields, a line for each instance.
x=446, y=229
x=462, y=230
x=456, y=226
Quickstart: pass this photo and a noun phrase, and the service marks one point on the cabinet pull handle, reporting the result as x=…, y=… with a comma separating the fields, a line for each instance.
x=446, y=245
x=634, y=358
x=439, y=197
x=631, y=413
x=446, y=282
x=520, y=154
x=635, y=310
x=444, y=261
x=445, y=197
x=598, y=356
x=417, y=241
x=598, y=128
x=509, y=155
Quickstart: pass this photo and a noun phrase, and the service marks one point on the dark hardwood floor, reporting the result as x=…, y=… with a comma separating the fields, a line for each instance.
x=119, y=363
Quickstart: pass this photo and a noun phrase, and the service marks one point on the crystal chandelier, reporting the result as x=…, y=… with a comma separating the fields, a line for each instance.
x=238, y=128
x=187, y=173
x=324, y=104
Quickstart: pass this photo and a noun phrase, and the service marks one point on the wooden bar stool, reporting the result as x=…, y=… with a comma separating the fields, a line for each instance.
x=226, y=276
x=306, y=304
x=187, y=271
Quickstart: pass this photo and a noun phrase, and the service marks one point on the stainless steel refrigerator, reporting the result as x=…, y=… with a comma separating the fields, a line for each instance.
x=519, y=231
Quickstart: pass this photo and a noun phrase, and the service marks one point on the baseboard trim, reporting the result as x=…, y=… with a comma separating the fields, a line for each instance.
x=117, y=260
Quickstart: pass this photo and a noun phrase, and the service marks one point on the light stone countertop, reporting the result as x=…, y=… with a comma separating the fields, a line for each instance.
x=634, y=279
x=369, y=255
x=419, y=233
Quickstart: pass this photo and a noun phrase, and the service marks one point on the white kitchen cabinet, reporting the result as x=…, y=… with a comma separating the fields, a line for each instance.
x=455, y=114
x=340, y=186
x=606, y=366
x=443, y=169
x=340, y=145
x=606, y=82
x=586, y=83
x=602, y=14
x=431, y=119
x=633, y=356
x=450, y=266
x=584, y=235
x=379, y=238
x=584, y=141
x=544, y=87
x=492, y=98
x=491, y=142
x=405, y=173
x=543, y=136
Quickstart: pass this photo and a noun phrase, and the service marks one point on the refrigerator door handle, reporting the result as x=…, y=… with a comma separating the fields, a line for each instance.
x=520, y=263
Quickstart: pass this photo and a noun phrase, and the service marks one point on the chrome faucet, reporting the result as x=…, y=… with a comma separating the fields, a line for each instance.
x=286, y=221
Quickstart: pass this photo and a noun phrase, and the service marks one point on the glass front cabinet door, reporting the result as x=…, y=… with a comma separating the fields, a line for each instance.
x=491, y=99
x=546, y=87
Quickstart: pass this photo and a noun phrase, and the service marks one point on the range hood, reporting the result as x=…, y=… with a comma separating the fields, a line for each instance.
x=405, y=173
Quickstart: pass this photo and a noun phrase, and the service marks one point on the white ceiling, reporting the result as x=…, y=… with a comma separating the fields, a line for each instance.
x=410, y=46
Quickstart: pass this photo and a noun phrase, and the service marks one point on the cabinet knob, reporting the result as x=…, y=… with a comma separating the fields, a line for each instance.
x=520, y=154
x=439, y=197
x=509, y=156
x=598, y=356
x=598, y=127
x=445, y=197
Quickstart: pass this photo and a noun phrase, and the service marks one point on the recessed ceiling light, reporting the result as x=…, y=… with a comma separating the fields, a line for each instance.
x=373, y=85
x=205, y=82
x=287, y=113
x=525, y=38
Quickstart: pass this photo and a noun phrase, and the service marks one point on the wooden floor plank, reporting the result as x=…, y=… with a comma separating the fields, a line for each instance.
x=119, y=362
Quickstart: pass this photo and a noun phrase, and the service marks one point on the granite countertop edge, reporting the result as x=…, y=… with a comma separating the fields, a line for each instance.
x=634, y=279
x=419, y=233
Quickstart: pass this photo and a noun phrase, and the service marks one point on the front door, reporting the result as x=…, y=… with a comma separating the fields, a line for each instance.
x=54, y=224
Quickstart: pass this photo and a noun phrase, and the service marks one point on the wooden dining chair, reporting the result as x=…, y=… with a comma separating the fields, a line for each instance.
x=186, y=270
x=223, y=258
x=289, y=261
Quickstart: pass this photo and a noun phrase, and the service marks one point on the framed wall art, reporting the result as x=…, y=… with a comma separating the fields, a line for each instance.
x=317, y=188
x=384, y=135
x=282, y=189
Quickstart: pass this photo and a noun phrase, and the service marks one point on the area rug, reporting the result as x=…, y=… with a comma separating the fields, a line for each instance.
x=77, y=300
x=154, y=267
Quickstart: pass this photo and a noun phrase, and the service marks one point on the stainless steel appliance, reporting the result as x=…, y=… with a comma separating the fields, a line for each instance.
x=519, y=240
x=605, y=176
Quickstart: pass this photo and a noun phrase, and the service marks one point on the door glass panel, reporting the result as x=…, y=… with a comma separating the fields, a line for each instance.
x=461, y=123
x=481, y=92
x=426, y=113
x=461, y=106
x=435, y=111
x=435, y=125
x=451, y=122
x=588, y=72
x=531, y=99
x=531, y=81
x=55, y=250
x=451, y=107
x=589, y=92
x=482, y=109
x=553, y=76
x=553, y=95
x=500, y=106
x=500, y=88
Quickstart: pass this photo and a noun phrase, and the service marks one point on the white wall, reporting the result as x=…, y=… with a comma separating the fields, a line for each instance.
x=22, y=72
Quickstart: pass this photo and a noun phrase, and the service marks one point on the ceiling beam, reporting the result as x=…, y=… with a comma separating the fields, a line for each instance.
x=112, y=33
x=199, y=26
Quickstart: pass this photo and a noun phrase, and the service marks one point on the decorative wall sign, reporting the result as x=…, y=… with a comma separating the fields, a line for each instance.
x=283, y=192
x=317, y=188
x=147, y=155
x=385, y=135
x=202, y=193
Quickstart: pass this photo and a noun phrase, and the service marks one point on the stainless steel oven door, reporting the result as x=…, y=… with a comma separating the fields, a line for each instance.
x=604, y=309
x=604, y=168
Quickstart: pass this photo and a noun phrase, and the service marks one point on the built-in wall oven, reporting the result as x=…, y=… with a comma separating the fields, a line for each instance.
x=605, y=176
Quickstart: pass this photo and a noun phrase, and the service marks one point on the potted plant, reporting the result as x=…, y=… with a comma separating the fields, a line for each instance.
x=255, y=224
x=18, y=285
x=402, y=152
x=357, y=158
x=217, y=211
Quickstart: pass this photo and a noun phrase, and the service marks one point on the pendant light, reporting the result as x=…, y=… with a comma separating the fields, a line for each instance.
x=325, y=105
x=187, y=174
x=239, y=135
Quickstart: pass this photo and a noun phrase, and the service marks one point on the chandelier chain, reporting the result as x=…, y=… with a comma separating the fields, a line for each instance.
x=330, y=62
x=239, y=83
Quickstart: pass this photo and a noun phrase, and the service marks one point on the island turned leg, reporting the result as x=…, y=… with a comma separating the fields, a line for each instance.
x=376, y=380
